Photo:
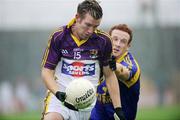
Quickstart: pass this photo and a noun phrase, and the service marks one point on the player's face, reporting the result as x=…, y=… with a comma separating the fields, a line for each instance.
x=86, y=26
x=119, y=42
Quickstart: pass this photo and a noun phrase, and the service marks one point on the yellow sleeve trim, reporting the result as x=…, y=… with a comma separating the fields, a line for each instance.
x=47, y=49
x=97, y=31
x=45, y=57
x=133, y=80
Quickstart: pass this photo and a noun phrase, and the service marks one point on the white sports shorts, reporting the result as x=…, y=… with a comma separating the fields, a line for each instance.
x=52, y=104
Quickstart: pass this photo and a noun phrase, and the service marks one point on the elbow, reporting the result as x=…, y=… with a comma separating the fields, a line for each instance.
x=43, y=73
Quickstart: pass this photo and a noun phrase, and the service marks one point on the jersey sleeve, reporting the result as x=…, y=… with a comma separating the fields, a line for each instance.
x=107, y=50
x=134, y=68
x=52, y=53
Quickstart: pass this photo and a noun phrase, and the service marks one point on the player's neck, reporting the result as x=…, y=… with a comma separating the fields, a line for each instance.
x=73, y=31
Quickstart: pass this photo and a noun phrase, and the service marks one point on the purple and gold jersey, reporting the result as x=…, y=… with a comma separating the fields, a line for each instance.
x=129, y=92
x=71, y=58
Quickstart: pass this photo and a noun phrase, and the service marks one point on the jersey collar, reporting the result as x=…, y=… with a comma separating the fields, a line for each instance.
x=121, y=58
x=77, y=41
x=71, y=23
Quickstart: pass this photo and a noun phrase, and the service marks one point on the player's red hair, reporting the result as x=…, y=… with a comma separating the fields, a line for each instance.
x=122, y=27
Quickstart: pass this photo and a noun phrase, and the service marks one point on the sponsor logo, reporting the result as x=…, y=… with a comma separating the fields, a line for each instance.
x=85, y=96
x=78, y=69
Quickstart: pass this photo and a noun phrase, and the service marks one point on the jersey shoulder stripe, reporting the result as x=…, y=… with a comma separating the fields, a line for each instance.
x=101, y=32
x=53, y=37
x=134, y=67
x=135, y=78
x=56, y=33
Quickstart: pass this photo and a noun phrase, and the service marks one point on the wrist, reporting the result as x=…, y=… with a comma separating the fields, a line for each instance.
x=57, y=93
x=119, y=113
x=118, y=109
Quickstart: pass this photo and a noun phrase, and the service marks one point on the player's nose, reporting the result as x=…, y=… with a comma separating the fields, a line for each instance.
x=90, y=30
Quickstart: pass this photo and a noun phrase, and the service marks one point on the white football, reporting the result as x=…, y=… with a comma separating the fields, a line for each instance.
x=80, y=93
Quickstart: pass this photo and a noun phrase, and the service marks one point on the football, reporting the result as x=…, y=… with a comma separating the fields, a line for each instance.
x=80, y=93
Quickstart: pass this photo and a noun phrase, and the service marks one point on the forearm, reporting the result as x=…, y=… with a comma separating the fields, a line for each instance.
x=48, y=79
x=113, y=88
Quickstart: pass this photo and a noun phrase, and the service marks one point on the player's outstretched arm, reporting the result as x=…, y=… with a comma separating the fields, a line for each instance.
x=112, y=85
x=48, y=79
x=114, y=91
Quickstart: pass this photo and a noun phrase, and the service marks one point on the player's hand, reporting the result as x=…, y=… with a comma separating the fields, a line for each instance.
x=70, y=106
x=112, y=63
x=62, y=96
x=119, y=115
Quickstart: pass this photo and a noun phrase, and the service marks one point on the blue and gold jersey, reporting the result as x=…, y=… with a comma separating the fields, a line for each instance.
x=129, y=89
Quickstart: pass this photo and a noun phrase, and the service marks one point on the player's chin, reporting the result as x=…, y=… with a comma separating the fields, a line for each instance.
x=87, y=36
x=115, y=54
x=84, y=37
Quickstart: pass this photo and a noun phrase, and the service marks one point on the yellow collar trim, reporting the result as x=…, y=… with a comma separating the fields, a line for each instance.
x=71, y=23
x=121, y=58
x=77, y=41
x=96, y=31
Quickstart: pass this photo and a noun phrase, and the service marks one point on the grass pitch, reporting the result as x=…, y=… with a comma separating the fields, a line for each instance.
x=158, y=113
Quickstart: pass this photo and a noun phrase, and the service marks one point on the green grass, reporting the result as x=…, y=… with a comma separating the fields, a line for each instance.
x=159, y=113
x=22, y=116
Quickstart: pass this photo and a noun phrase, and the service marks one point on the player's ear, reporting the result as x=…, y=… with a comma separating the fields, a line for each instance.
x=77, y=17
x=129, y=45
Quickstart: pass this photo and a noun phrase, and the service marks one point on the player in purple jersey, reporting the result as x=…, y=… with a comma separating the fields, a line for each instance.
x=77, y=50
x=128, y=74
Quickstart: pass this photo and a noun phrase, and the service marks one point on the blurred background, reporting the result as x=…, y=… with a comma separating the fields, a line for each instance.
x=25, y=27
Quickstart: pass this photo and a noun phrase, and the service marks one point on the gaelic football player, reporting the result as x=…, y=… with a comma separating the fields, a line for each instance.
x=128, y=74
x=77, y=50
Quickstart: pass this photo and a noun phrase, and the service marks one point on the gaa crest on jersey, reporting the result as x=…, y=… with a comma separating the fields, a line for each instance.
x=93, y=53
x=78, y=69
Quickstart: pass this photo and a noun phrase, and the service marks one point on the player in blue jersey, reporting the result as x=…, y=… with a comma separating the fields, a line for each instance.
x=77, y=50
x=128, y=74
